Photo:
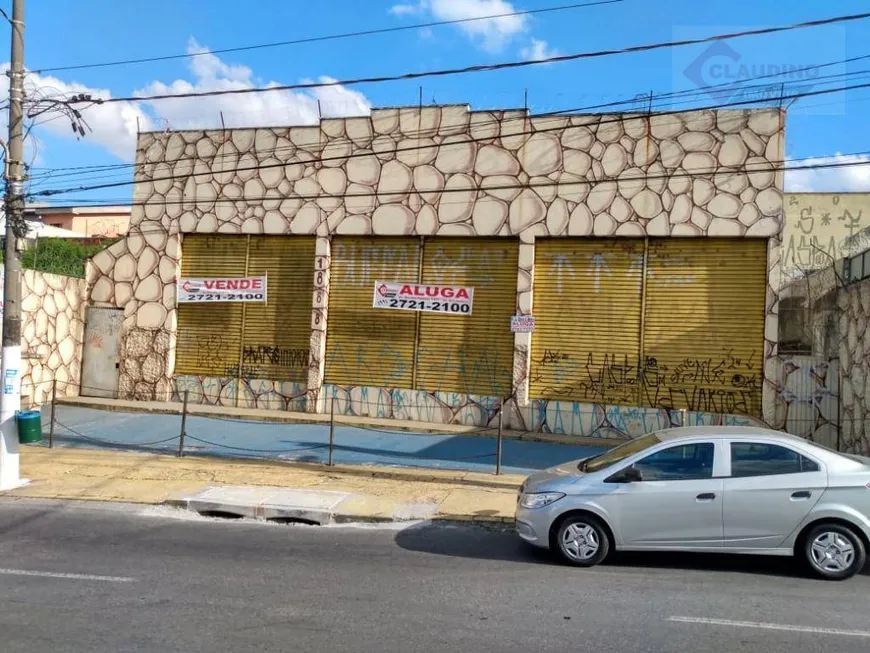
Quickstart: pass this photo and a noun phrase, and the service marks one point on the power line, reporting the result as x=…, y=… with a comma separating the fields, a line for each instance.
x=49, y=192
x=608, y=105
x=482, y=67
x=118, y=171
x=330, y=37
x=767, y=168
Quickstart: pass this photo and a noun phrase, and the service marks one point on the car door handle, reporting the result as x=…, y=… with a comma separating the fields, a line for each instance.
x=706, y=496
x=803, y=494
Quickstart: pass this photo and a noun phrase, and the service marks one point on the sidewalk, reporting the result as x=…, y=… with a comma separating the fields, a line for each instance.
x=287, y=417
x=217, y=432
x=267, y=490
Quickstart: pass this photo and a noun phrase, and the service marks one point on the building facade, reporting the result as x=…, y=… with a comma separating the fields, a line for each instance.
x=822, y=228
x=85, y=221
x=647, y=248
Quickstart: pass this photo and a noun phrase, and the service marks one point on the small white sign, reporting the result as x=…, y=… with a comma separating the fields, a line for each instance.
x=452, y=300
x=222, y=289
x=522, y=323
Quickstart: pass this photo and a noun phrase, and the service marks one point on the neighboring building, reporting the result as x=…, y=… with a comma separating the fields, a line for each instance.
x=821, y=228
x=646, y=247
x=37, y=229
x=85, y=221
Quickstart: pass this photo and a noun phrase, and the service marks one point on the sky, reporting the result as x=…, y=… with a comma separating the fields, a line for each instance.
x=820, y=129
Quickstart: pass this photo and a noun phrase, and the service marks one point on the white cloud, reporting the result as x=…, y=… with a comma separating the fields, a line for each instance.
x=406, y=10
x=841, y=179
x=280, y=107
x=492, y=34
x=115, y=125
x=537, y=50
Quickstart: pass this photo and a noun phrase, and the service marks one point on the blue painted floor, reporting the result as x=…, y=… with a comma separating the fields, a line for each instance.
x=92, y=428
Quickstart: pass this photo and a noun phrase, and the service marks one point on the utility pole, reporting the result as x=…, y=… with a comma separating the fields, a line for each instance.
x=10, y=369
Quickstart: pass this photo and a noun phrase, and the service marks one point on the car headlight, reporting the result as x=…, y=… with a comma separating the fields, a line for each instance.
x=540, y=499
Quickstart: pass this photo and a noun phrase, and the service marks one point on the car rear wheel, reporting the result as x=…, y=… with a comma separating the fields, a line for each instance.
x=582, y=541
x=834, y=552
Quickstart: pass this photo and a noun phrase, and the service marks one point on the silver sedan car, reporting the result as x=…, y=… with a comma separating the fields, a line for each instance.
x=705, y=489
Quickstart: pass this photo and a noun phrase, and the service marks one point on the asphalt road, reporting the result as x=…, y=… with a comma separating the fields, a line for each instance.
x=95, y=578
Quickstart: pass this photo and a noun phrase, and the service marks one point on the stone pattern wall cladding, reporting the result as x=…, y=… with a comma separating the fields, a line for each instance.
x=255, y=393
x=854, y=304
x=138, y=274
x=319, y=310
x=437, y=171
x=806, y=400
x=556, y=417
x=53, y=330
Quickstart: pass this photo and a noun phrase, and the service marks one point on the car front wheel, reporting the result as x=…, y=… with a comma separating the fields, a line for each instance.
x=834, y=552
x=582, y=541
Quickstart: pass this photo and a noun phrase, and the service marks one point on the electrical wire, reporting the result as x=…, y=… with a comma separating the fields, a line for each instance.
x=628, y=180
x=519, y=186
x=112, y=442
x=330, y=37
x=419, y=147
x=247, y=449
x=609, y=105
x=505, y=65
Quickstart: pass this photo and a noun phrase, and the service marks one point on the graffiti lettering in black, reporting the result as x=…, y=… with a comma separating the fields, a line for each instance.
x=553, y=356
x=277, y=356
x=209, y=351
x=727, y=383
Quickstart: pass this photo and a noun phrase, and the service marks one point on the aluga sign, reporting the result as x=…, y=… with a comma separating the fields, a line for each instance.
x=453, y=300
x=224, y=289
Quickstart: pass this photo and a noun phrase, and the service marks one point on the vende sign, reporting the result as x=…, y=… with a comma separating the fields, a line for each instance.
x=222, y=289
x=452, y=300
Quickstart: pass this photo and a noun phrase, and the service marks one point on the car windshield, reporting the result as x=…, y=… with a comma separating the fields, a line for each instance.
x=615, y=455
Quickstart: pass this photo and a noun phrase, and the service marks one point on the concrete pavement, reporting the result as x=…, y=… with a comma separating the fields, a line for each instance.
x=289, y=417
x=272, y=490
x=90, y=579
x=227, y=434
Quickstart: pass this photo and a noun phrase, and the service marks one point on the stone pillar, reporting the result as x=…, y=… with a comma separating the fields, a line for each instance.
x=773, y=408
x=523, y=341
x=319, y=309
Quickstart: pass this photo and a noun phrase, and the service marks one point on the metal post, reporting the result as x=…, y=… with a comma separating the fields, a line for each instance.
x=53, y=405
x=10, y=400
x=498, y=447
x=331, y=430
x=183, y=425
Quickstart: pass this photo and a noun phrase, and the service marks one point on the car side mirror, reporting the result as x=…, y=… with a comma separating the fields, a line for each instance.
x=627, y=475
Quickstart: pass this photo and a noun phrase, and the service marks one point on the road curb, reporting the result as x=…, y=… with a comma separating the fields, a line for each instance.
x=320, y=517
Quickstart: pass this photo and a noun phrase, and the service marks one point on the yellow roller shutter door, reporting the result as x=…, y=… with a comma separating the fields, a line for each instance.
x=469, y=354
x=587, y=306
x=277, y=333
x=703, y=334
x=364, y=345
x=209, y=335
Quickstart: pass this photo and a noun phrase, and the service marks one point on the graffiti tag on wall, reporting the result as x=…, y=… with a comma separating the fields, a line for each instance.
x=822, y=228
x=721, y=384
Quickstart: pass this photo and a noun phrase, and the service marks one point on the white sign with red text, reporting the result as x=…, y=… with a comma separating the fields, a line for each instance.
x=452, y=300
x=222, y=289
